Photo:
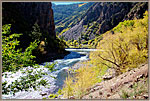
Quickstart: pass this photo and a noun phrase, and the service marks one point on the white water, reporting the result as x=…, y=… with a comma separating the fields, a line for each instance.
x=62, y=65
x=81, y=50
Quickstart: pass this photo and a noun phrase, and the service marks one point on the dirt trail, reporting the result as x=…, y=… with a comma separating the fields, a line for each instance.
x=113, y=89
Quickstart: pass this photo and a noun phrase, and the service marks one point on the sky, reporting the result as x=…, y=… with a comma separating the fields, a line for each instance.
x=65, y=3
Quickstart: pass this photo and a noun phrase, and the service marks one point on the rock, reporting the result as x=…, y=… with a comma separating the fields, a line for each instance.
x=145, y=96
x=72, y=97
x=100, y=93
x=109, y=74
x=137, y=13
x=43, y=93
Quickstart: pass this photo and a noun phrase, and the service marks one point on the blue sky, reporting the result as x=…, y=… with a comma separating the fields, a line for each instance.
x=65, y=3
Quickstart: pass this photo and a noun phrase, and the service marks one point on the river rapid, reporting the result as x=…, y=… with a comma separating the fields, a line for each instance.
x=54, y=79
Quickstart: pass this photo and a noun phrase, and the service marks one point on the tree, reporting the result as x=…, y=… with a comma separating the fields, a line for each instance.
x=36, y=34
x=126, y=48
x=13, y=58
x=79, y=40
x=75, y=43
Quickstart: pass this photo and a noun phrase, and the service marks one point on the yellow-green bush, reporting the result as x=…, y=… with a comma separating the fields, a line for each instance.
x=123, y=50
x=76, y=86
x=126, y=48
x=64, y=31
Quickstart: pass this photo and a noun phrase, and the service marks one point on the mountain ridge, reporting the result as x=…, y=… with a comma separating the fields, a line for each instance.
x=102, y=17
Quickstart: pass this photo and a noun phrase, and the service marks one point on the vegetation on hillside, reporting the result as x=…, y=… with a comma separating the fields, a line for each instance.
x=123, y=48
x=66, y=16
x=82, y=43
x=126, y=47
x=99, y=18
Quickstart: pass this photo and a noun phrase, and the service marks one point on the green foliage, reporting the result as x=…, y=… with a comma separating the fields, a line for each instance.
x=52, y=96
x=64, y=31
x=36, y=34
x=13, y=58
x=124, y=95
x=25, y=82
x=59, y=92
x=126, y=23
x=75, y=43
x=50, y=66
x=79, y=40
x=94, y=42
x=95, y=30
x=89, y=42
x=85, y=42
x=137, y=89
x=66, y=16
x=44, y=98
x=61, y=43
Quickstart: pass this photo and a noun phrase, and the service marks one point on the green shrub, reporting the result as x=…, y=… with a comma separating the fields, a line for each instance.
x=13, y=58
x=59, y=92
x=36, y=34
x=126, y=23
x=50, y=66
x=52, y=96
x=124, y=95
x=85, y=42
x=25, y=82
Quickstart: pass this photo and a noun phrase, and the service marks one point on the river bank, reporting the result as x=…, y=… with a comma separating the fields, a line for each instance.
x=54, y=79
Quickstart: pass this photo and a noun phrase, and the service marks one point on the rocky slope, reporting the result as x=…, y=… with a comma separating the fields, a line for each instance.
x=101, y=17
x=66, y=16
x=130, y=85
x=23, y=16
x=137, y=11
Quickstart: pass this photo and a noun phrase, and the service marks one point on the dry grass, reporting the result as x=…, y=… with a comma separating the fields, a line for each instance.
x=76, y=86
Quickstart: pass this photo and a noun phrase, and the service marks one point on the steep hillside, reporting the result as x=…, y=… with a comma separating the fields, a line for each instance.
x=66, y=16
x=117, y=69
x=34, y=19
x=101, y=17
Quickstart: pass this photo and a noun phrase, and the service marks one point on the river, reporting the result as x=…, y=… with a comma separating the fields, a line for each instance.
x=60, y=75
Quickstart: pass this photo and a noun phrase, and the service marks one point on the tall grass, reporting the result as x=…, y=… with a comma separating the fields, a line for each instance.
x=76, y=86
